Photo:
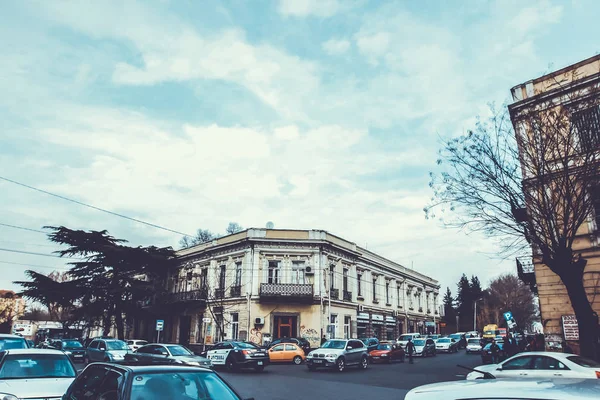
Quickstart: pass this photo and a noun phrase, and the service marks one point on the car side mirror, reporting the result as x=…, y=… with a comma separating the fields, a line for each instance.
x=102, y=348
x=349, y=348
x=499, y=369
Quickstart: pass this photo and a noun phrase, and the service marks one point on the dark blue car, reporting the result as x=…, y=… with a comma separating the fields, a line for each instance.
x=371, y=343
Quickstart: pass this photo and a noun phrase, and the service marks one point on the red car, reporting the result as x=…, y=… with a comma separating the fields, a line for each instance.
x=387, y=352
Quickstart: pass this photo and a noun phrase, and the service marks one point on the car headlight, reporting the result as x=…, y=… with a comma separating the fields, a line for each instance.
x=330, y=355
x=194, y=363
x=6, y=396
x=68, y=353
x=310, y=354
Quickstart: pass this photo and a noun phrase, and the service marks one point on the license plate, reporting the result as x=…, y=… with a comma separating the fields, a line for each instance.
x=260, y=363
x=78, y=355
x=318, y=361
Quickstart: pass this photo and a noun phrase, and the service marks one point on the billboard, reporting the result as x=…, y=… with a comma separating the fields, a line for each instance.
x=22, y=329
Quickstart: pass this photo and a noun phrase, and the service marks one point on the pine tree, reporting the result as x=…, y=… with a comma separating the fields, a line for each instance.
x=449, y=311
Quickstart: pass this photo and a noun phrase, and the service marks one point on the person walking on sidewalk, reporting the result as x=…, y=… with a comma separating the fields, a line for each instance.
x=410, y=349
x=495, y=349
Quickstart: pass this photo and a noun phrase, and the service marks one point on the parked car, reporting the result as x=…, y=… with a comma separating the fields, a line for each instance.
x=72, y=347
x=473, y=345
x=542, y=365
x=236, y=354
x=35, y=374
x=403, y=339
x=460, y=339
x=135, y=344
x=109, y=350
x=486, y=353
x=300, y=342
x=424, y=347
x=8, y=342
x=158, y=353
x=371, y=343
x=434, y=337
x=446, y=345
x=86, y=342
x=287, y=352
x=541, y=389
x=339, y=354
x=104, y=381
x=387, y=352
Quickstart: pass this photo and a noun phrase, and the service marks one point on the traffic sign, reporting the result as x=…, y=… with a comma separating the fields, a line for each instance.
x=508, y=316
x=160, y=324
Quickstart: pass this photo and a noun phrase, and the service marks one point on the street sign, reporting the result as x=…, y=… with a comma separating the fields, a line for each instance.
x=160, y=324
x=206, y=320
x=570, y=327
x=508, y=316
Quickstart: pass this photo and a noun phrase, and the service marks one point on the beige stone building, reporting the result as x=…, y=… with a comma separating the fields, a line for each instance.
x=262, y=284
x=561, y=89
x=12, y=306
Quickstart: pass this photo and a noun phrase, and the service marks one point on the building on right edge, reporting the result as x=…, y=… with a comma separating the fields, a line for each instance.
x=556, y=119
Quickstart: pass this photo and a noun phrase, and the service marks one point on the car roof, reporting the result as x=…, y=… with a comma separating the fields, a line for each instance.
x=148, y=369
x=33, y=351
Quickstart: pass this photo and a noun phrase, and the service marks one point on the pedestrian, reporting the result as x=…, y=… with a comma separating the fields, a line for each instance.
x=495, y=349
x=323, y=339
x=510, y=346
x=410, y=349
x=566, y=348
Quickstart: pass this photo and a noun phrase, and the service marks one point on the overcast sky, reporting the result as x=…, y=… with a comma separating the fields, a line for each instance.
x=313, y=114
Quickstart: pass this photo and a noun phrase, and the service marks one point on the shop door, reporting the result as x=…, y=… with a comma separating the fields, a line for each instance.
x=185, y=323
x=285, y=327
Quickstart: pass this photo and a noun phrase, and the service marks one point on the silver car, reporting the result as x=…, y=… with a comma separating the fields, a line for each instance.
x=108, y=350
x=35, y=374
x=339, y=354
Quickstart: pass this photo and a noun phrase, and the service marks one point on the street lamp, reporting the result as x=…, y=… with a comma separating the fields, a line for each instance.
x=475, y=314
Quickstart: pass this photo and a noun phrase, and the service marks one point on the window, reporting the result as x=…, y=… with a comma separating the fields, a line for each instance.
x=374, y=289
x=279, y=347
x=584, y=362
x=203, y=277
x=238, y=274
x=518, y=363
x=235, y=326
x=548, y=363
x=332, y=276
x=290, y=347
x=347, y=323
x=96, y=383
x=182, y=385
x=356, y=344
x=298, y=272
x=93, y=345
x=222, y=270
x=587, y=125
x=31, y=366
x=273, y=276
x=359, y=283
x=333, y=325
x=345, y=280
x=399, y=289
x=387, y=292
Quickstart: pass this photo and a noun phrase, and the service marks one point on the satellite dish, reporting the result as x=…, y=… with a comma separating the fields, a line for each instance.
x=270, y=225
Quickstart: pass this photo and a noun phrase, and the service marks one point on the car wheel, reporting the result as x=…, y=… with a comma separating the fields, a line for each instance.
x=297, y=360
x=230, y=365
x=340, y=364
x=364, y=363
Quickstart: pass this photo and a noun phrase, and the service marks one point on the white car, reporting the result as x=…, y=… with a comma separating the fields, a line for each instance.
x=513, y=389
x=35, y=374
x=446, y=345
x=402, y=340
x=541, y=365
x=474, y=345
x=135, y=344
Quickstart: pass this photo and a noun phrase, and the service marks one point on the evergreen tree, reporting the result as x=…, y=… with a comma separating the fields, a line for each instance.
x=449, y=311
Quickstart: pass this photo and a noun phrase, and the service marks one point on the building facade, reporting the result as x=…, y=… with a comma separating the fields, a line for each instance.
x=12, y=307
x=263, y=284
x=567, y=87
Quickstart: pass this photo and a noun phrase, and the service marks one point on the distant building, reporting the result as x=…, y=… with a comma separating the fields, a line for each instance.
x=563, y=88
x=12, y=307
x=263, y=284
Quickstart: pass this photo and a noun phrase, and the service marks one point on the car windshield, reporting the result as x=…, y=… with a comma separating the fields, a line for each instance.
x=334, y=344
x=473, y=341
x=419, y=342
x=116, y=345
x=188, y=385
x=72, y=344
x=584, y=362
x=29, y=366
x=179, y=351
x=443, y=341
x=455, y=336
x=405, y=338
x=246, y=345
x=384, y=347
x=10, y=343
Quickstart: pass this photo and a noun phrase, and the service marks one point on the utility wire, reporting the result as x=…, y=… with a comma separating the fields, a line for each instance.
x=33, y=253
x=20, y=227
x=94, y=207
x=32, y=265
x=28, y=244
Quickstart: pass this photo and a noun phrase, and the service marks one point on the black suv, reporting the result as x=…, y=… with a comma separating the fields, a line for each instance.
x=300, y=342
x=234, y=355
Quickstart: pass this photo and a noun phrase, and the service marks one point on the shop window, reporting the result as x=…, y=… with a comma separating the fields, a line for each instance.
x=333, y=326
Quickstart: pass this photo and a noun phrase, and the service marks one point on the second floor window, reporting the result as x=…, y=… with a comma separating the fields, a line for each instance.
x=387, y=292
x=345, y=281
x=274, y=272
x=374, y=289
x=222, y=270
x=203, y=278
x=238, y=274
x=332, y=276
x=587, y=125
x=298, y=272
x=399, y=295
x=359, y=284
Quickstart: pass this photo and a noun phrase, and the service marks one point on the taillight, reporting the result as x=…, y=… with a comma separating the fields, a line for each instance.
x=245, y=352
x=598, y=374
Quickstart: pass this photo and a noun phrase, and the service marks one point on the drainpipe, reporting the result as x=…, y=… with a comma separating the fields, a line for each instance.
x=249, y=292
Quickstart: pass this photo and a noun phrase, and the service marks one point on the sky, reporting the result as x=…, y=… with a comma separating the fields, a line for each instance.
x=312, y=114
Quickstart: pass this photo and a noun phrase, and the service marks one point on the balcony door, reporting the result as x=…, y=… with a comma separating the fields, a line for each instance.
x=285, y=326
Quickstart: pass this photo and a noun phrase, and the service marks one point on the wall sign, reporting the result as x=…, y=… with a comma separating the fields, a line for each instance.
x=570, y=327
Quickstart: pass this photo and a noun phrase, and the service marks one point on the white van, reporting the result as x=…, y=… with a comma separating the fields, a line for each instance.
x=402, y=340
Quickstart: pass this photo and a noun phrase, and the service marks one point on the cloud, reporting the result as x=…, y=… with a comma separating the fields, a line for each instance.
x=305, y=8
x=336, y=47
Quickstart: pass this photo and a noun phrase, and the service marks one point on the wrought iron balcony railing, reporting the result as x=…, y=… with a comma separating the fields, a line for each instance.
x=236, y=291
x=334, y=294
x=347, y=295
x=283, y=290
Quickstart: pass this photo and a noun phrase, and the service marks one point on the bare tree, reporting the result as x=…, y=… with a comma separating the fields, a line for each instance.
x=202, y=236
x=535, y=187
x=233, y=227
x=508, y=293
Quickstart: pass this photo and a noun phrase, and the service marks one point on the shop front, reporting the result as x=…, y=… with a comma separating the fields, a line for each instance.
x=382, y=327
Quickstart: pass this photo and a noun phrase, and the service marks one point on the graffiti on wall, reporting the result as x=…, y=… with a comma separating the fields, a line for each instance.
x=256, y=336
x=311, y=335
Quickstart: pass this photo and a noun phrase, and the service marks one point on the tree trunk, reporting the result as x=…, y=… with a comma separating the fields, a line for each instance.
x=586, y=318
x=106, y=324
x=120, y=325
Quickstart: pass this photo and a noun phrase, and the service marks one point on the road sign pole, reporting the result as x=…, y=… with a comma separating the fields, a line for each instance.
x=157, y=336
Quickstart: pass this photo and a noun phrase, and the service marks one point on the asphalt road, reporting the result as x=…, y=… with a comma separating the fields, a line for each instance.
x=379, y=381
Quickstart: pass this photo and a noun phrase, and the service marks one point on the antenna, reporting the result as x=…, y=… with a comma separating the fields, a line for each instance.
x=270, y=225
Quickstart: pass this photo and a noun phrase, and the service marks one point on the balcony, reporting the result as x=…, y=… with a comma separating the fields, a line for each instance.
x=219, y=293
x=334, y=294
x=347, y=295
x=526, y=272
x=235, y=291
x=292, y=292
x=190, y=296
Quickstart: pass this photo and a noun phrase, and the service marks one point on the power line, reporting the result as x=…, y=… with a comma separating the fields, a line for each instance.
x=94, y=207
x=33, y=253
x=33, y=265
x=22, y=228
x=28, y=244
